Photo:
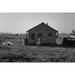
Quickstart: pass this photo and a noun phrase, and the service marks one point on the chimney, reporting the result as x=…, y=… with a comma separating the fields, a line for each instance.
x=47, y=23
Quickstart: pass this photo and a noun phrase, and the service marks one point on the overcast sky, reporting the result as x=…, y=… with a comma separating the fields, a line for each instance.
x=20, y=22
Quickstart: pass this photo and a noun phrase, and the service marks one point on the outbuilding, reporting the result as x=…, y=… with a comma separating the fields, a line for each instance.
x=42, y=34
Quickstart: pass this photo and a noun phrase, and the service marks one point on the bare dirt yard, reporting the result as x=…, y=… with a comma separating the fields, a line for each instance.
x=36, y=54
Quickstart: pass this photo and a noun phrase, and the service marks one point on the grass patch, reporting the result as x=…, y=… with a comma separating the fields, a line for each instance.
x=36, y=54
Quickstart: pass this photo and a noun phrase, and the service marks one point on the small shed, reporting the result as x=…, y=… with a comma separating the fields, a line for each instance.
x=42, y=32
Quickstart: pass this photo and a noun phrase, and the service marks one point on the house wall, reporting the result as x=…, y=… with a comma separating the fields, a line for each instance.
x=45, y=38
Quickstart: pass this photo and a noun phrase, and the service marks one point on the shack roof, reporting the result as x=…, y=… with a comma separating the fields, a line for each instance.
x=44, y=24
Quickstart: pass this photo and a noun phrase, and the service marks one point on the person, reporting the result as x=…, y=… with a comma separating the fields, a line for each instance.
x=38, y=42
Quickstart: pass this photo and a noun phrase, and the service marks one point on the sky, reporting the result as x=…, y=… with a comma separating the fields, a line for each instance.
x=21, y=22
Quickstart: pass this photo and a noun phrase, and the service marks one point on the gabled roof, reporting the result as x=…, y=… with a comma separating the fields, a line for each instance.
x=40, y=25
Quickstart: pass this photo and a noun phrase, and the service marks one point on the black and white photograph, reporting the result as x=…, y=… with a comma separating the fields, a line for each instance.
x=37, y=37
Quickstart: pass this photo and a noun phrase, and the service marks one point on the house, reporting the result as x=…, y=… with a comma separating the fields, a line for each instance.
x=43, y=33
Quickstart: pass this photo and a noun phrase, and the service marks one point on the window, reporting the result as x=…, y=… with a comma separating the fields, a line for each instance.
x=39, y=34
x=50, y=35
x=32, y=35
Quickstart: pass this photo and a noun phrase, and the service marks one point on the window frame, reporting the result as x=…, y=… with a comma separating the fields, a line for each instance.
x=32, y=36
x=49, y=35
x=39, y=34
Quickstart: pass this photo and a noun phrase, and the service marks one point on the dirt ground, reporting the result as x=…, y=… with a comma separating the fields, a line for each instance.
x=36, y=54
